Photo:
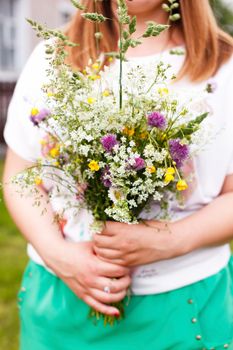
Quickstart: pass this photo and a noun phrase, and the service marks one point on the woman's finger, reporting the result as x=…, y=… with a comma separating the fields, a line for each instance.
x=115, y=285
x=102, y=241
x=107, y=298
x=108, y=253
x=102, y=308
x=108, y=269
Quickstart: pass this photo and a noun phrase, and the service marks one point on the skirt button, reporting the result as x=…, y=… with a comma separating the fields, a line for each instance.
x=190, y=301
x=198, y=337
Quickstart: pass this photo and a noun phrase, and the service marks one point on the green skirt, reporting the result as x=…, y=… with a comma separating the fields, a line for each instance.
x=198, y=316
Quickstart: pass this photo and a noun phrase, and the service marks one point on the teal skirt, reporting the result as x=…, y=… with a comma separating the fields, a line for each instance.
x=198, y=316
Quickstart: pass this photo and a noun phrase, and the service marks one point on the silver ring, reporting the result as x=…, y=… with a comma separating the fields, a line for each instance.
x=107, y=289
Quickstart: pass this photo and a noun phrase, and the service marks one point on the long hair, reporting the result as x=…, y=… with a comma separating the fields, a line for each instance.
x=207, y=46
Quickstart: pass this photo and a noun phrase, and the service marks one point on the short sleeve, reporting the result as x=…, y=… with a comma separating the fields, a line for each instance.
x=19, y=132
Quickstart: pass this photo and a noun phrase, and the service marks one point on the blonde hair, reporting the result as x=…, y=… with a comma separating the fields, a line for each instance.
x=207, y=46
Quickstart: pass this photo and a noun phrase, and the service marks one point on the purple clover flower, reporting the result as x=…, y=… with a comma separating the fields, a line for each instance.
x=40, y=116
x=106, y=177
x=139, y=163
x=178, y=151
x=157, y=120
x=109, y=141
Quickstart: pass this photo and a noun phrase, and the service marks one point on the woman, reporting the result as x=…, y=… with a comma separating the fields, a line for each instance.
x=186, y=303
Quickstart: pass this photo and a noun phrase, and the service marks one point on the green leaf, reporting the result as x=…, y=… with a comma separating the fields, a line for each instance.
x=125, y=34
x=122, y=11
x=94, y=17
x=77, y=4
x=154, y=29
x=113, y=54
x=191, y=126
x=166, y=8
x=132, y=25
x=125, y=45
x=174, y=17
x=175, y=6
x=130, y=43
x=135, y=42
x=46, y=34
x=178, y=52
x=199, y=119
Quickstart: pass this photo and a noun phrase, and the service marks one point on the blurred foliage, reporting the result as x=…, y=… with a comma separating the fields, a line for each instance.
x=224, y=15
x=12, y=262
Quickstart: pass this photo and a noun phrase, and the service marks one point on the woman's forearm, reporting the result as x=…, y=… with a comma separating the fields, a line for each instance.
x=40, y=230
x=210, y=226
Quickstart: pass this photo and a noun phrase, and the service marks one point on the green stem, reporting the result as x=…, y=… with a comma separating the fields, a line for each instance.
x=121, y=69
x=97, y=30
x=154, y=82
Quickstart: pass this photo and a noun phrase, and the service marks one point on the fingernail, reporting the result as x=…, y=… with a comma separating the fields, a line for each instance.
x=117, y=315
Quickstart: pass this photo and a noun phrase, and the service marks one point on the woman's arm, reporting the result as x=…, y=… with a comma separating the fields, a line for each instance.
x=131, y=245
x=75, y=263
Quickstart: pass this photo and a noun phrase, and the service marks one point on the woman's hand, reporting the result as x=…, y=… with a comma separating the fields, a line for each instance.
x=132, y=245
x=87, y=276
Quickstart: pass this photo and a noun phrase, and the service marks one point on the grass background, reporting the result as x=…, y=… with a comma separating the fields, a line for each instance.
x=12, y=262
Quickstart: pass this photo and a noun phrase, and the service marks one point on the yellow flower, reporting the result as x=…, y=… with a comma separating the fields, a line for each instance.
x=143, y=135
x=96, y=66
x=91, y=100
x=54, y=152
x=106, y=93
x=163, y=91
x=50, y=94
x=118, y=195
x=34, y=111
x=56, y=164
x=170, y=171
x=129, y=132
x=38, y=181
x=168, y=178
x=151, y=169
x=93, y=165
x=94, y=77
x=110, y=59
x=163, y=137
x=181, y=185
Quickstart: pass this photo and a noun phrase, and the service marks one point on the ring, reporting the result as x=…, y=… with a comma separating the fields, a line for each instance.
x=107, y=289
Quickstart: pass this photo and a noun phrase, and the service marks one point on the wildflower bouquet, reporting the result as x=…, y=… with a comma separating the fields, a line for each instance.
x=116, y=137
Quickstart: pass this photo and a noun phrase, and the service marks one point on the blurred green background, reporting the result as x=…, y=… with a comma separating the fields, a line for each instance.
x=13, y=247
x=12, y=262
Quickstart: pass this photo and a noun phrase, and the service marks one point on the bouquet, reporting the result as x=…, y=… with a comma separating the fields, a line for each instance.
x=116, y=136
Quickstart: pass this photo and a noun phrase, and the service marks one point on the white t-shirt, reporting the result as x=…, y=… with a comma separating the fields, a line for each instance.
x=211, y=167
